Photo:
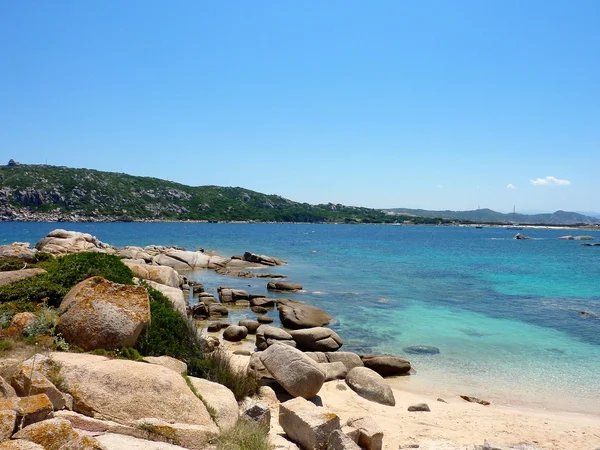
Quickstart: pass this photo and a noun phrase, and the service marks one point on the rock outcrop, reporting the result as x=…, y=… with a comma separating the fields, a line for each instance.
x=284, y=286
x=98, y=313
x=307, y=424
x=11, y=276
x=298, y=374
x=62, y=242
x=370, y=385
x=317, y=339
x=159, y=274
x=295, y=315
x=21, y=250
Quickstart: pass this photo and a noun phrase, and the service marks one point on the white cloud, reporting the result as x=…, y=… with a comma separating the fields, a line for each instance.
x=550, y=181
x=510, y=186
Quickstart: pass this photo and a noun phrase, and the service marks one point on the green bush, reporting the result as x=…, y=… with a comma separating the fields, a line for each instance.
x=245, y=435
x=69, y=270
x=63, y=274
x=129, y=353
x=171, y=334
x=5, y=345
x=10, y=263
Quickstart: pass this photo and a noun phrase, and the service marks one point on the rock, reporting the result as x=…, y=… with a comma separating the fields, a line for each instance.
x=419, y=407
x=297, y=315
x=521, y=236
x=124, y=391
x=307, y=424
x=20, y=321
x=235, y=333
x=422, y=350
x=334, y=371
x=112, y=441
x=194, y=437
x=286, y=286
x=584, y=238
x=167, y=361
x=164, y=275
x=339, y=441
x=19, y=444
x=299, y=375
x=174, y=294
x=217, y=310
x=370, y=385
x=33, y=408
x=8, y=422
x=262, y=259
x=264, y=319
x=62, y=242
x=21, y=250
x=83, y=443
x=251, y=325
x=468, y=398
x=267, y=335
x=279, y=442
x=221, y=399
x=31, y=379
x=136, y=253
x=262, y=301
x=213, y=327
x=439, y=399
x=317, y=339
x=566, y=238
x=258, y=412
x=52, y=434
x=242, y=303
x=369, y=434
x=350, y=360
x=10, y=276
x=164, y=260
x=229, y=295
x=98, y=313
x=387, y=365
x=6, y=390
x=259, y=309
x=256, y=368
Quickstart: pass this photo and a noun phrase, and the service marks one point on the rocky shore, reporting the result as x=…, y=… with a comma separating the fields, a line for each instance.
x=311, y=393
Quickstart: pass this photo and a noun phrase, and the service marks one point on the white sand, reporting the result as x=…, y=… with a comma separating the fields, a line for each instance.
x=461, y=425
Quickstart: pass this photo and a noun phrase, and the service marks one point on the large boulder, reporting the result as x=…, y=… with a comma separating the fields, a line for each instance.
x=62, y=242
x=21, y=250
x=251, y=325
x=317, y=339
x=367, y=433
x=235, y=333
x=220, y=399
x=98, y=313
x=135, y=253
x=124, y=391
x=169, y=362
x=298, y=374
x=307, y=424
x=295, y=315
x=159, y=274
x=52, y=434
x=370, y=385
x=285, y=286
x=350, y=360
x=387, y=365
x=266, y=335
x=229, y=295
x=10, y=276
x=334, y=370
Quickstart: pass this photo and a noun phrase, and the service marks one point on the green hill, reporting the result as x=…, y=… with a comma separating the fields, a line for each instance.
x=489, y=216
x=42, y=192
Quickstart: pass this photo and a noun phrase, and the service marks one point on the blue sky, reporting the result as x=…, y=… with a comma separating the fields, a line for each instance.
x=433, y=104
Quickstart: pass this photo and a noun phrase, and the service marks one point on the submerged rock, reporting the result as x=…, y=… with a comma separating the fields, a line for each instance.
x=422, y=350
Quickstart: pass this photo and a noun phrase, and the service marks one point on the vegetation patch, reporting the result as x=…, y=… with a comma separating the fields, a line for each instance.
x=245, y=435
x=222, y=371
x=171, y=334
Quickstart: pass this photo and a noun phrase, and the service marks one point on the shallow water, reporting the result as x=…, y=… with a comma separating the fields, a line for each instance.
x=504, y=313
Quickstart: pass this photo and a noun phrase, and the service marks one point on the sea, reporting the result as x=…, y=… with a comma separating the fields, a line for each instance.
x=504, y=313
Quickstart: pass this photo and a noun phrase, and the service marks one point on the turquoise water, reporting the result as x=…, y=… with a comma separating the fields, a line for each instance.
x=504, y=313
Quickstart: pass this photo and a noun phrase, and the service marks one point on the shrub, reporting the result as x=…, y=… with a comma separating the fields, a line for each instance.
x=69, y=270
x=5, y=345
x=245, y=435
x=35, y=289
x=10, y=263
x=221, y=370
x=171, y=334
x=129, y=353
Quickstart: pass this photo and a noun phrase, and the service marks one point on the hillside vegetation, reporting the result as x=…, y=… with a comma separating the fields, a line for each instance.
x=486, y=215
x=42, y=192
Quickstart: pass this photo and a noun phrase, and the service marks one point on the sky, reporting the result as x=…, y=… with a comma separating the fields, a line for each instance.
x=428, y=104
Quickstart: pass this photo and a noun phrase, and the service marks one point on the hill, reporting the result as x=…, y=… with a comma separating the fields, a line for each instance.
x=50, y=193
x=489, y=216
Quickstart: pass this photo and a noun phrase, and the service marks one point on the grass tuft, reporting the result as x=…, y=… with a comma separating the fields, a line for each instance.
x=221, y=370
x=245, y=435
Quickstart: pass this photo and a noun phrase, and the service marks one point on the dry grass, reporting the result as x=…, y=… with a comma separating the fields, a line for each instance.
x=245, y=435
